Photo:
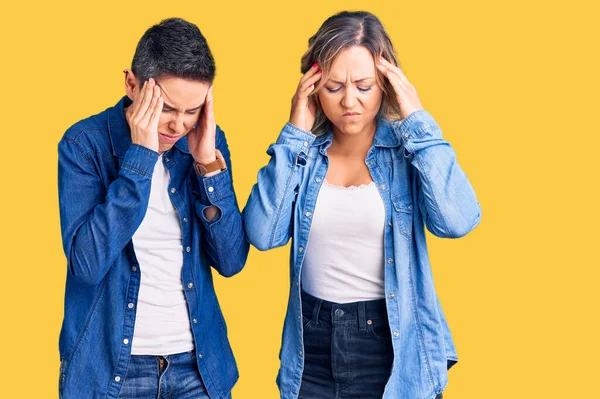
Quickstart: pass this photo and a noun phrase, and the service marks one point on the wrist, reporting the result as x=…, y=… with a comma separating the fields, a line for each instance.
x=204, y=165
x=206, y=157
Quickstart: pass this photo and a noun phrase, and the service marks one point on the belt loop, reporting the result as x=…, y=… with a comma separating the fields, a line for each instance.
x=316, y=310
x=362, y=318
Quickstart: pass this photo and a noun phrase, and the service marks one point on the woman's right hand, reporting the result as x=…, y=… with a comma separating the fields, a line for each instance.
x=144, y=116
x=304, y=107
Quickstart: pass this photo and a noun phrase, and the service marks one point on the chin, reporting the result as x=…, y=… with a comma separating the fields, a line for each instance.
x=164, y=147
x=351, y=128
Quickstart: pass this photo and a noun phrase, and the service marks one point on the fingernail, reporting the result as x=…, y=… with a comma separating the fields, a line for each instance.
x=316, y=64
x=319, y=72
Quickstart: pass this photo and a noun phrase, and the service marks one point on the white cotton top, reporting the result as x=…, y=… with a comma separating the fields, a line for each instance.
x=344, y=257
x=162, y=324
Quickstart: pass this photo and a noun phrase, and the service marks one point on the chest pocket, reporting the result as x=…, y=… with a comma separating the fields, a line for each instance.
x=403, y=213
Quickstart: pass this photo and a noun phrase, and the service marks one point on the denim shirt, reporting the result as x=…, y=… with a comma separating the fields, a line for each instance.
x=421, y=184
x=104, y=186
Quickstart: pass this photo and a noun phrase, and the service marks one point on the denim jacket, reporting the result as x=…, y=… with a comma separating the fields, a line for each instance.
x=104, y=186
x=421, y=184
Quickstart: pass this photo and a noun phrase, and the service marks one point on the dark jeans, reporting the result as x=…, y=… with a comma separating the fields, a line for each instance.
x=348, y=349
x=171, y=376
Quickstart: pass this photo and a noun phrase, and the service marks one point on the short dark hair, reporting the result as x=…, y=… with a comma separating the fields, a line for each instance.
x=176, y=48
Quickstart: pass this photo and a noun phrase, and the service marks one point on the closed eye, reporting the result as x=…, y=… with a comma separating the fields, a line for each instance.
x=365, y=89
x=333, y=90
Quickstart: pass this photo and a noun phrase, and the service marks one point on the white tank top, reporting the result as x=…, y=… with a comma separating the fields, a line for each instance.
x=344, y=257
x=162, y=324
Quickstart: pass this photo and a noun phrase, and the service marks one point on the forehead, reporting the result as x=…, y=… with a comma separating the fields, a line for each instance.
x=354, y=62
x=182, y=93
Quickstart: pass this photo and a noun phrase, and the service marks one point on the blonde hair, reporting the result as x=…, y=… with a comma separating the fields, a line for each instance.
x=340, y=32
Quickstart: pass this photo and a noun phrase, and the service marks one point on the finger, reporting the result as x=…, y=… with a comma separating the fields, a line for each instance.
x=146, y=100
x=209, y=116
x=155, y=93
x=395, y=70
x=309, y=85
x=138, y=100
x=156, y=112
x=394, y=79
x=311, y=72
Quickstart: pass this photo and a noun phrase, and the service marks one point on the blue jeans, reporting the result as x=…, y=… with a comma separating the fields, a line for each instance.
x=348, y=349
x=170, y=376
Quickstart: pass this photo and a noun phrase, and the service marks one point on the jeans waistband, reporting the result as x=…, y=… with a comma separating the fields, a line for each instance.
x=361, y=312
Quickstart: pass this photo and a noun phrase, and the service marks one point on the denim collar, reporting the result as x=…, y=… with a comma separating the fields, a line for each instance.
x=120, y=135
x=384, y=136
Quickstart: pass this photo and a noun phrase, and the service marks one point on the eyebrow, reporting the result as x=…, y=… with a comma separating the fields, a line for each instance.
x=165, y=105
x=355, y=81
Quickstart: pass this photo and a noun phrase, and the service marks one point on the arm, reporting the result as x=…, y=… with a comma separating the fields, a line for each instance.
x=268, y=212
x=96, y=223
x=445, y=196
x=223, y=241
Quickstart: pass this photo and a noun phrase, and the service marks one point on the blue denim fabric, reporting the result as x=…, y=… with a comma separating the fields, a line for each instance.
x=348, y=351
x=104, y=185
x=421, y=184
x=177, y=378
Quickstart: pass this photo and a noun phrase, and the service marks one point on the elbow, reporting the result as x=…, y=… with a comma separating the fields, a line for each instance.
x=235, y=264
x=258, y=232
x=84, y=274
x=464, y=226
x=260, y=240
x=258, y=236
x=230, y=271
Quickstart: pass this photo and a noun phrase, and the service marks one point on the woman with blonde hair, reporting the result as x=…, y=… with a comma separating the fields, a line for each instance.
x=353, y=179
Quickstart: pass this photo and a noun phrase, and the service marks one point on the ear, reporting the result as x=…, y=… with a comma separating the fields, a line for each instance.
x=132, y=87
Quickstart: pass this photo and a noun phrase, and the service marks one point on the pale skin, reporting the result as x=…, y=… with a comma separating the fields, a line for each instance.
x=351, y=99
x=166, y=110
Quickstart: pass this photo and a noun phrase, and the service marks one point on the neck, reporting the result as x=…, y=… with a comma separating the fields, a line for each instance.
x=356, y=144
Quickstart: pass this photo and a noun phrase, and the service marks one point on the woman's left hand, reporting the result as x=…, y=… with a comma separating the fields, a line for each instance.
x=405, y=92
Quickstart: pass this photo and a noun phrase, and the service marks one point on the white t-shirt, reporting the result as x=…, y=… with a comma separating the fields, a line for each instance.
x=162, y=324
x=344, y=258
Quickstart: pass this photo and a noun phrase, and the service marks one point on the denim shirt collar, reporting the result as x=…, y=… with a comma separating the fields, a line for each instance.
x=384, y=136
x=120, y=135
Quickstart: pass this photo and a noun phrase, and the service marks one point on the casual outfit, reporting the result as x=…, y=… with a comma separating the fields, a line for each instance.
x=392, y=342
x=139, y=251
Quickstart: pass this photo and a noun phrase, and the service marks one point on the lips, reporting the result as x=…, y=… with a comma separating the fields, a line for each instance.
x=351, y=114
x=170, y=139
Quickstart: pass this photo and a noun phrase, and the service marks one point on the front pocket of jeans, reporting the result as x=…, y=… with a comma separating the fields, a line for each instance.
x=379, y=330
x=306, y=322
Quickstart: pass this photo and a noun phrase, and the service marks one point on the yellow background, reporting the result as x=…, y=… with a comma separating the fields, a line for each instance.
x=514, y=86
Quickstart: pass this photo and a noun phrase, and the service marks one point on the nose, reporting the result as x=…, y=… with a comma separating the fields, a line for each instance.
x=176, y=125
x=349, y=99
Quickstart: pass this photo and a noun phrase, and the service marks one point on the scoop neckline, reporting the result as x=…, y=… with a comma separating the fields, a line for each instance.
x=351, y=188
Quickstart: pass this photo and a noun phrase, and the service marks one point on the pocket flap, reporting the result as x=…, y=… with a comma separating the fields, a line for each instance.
x=403, y=203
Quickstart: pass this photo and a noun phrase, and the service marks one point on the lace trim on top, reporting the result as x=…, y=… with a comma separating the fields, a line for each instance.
x=351, y=188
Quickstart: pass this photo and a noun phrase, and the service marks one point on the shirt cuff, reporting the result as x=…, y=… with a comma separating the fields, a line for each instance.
x=140, y=160
x=215, y=188
x=417, y=125
x=293, y=135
